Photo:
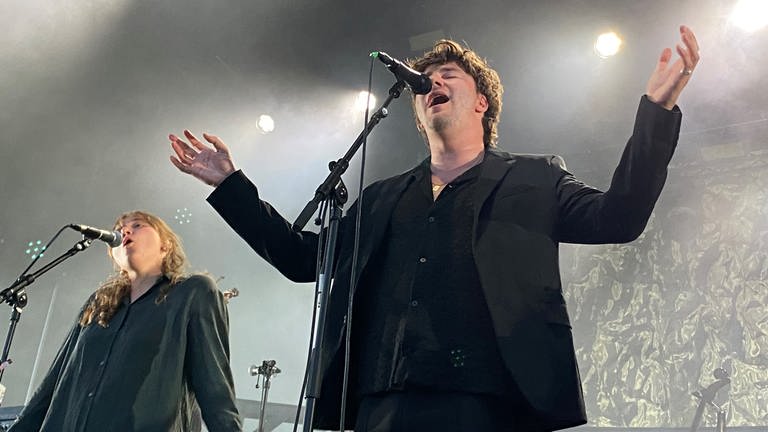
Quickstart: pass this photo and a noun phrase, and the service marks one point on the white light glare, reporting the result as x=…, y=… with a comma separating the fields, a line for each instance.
x=607, y=44
x=750, y=15
x=362, y=97
x=266, y=123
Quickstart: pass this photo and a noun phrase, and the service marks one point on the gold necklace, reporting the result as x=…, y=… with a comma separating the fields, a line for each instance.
x=476, y=161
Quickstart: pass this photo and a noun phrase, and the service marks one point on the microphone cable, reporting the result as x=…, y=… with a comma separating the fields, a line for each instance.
x=355, y=250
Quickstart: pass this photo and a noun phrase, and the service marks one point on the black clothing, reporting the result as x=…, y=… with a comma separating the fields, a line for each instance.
x=415, y=411
x=418, y=283
x=141, y=372
x=523, y=206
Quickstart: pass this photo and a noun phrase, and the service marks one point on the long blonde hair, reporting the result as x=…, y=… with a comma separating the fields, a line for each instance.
x=107, y=298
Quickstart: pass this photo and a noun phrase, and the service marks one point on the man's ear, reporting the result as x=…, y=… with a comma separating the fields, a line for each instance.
x=481, y=105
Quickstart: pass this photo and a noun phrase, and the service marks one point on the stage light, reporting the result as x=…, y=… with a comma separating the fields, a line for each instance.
x=35, y=248
x=750, y=15
x=362, y=97
x=608, y=44
x=266, y=124
x=183, y=216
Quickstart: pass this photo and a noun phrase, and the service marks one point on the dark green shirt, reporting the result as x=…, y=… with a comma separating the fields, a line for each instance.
x=142, y=372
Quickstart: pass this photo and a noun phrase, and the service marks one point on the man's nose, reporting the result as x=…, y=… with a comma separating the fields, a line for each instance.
x=437, y=81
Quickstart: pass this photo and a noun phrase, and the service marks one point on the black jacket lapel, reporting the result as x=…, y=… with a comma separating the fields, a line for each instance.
x=495, y=167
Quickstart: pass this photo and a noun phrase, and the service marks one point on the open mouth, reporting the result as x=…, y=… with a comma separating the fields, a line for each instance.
x=438, y=100
x=126, y=242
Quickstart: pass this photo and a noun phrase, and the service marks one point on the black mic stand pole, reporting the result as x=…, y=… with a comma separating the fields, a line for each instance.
x=16, y=296
x=336, y=197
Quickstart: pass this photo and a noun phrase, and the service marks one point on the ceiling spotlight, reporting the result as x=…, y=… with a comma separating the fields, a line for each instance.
x=266, y=124
x=607, y=44
x=362, y=98
x=35, y=249
x=750, y=15
x=183, y=216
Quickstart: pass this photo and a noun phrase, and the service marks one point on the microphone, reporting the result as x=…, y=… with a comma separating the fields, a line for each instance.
x=418, y=82
x=112, y=238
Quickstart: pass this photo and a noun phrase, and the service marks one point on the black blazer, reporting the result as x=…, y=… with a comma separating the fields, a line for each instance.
x=524, y=206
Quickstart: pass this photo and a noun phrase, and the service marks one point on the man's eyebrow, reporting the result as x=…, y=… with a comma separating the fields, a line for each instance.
x=445, y=68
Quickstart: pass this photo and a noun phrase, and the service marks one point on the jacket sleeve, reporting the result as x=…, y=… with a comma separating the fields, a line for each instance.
x=291, y=252
x=620, y=214
x=34, y=413
x=207, y=357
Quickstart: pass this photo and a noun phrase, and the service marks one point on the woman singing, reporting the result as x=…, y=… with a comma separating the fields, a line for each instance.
x=147, y=343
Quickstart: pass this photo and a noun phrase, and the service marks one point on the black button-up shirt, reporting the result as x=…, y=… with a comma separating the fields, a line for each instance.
x=421, y=318
x=141, y=372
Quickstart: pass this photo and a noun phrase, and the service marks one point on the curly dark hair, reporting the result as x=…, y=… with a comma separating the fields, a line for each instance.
x=486, y=79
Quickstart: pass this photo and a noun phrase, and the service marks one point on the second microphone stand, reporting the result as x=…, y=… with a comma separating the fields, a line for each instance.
x=16, y=296
x=267, y=369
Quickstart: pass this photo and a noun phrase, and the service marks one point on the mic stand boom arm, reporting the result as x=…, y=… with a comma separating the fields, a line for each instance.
x=327, y=191
x=340, y=166
x=16, y=297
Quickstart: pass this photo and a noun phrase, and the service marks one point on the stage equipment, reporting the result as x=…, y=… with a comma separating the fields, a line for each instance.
x=266, y=370
x=15, y=295
x=706, y=398
x=230, y=294
x=418, y=82
x=112, y=238
x=332, y=193
x=8, y=416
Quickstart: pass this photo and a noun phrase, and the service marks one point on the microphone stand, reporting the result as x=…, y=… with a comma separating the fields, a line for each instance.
x=333, y=192
x=267, y=369
x=706, y=396
x=16, y=296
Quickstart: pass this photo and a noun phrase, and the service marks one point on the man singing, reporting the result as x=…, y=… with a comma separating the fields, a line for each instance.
x=459, y=320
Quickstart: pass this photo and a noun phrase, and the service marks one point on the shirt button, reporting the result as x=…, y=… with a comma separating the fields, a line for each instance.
x=90, y=394
x=102, y=363
x=414, y=303
x=431, y=219
x=422, y=260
